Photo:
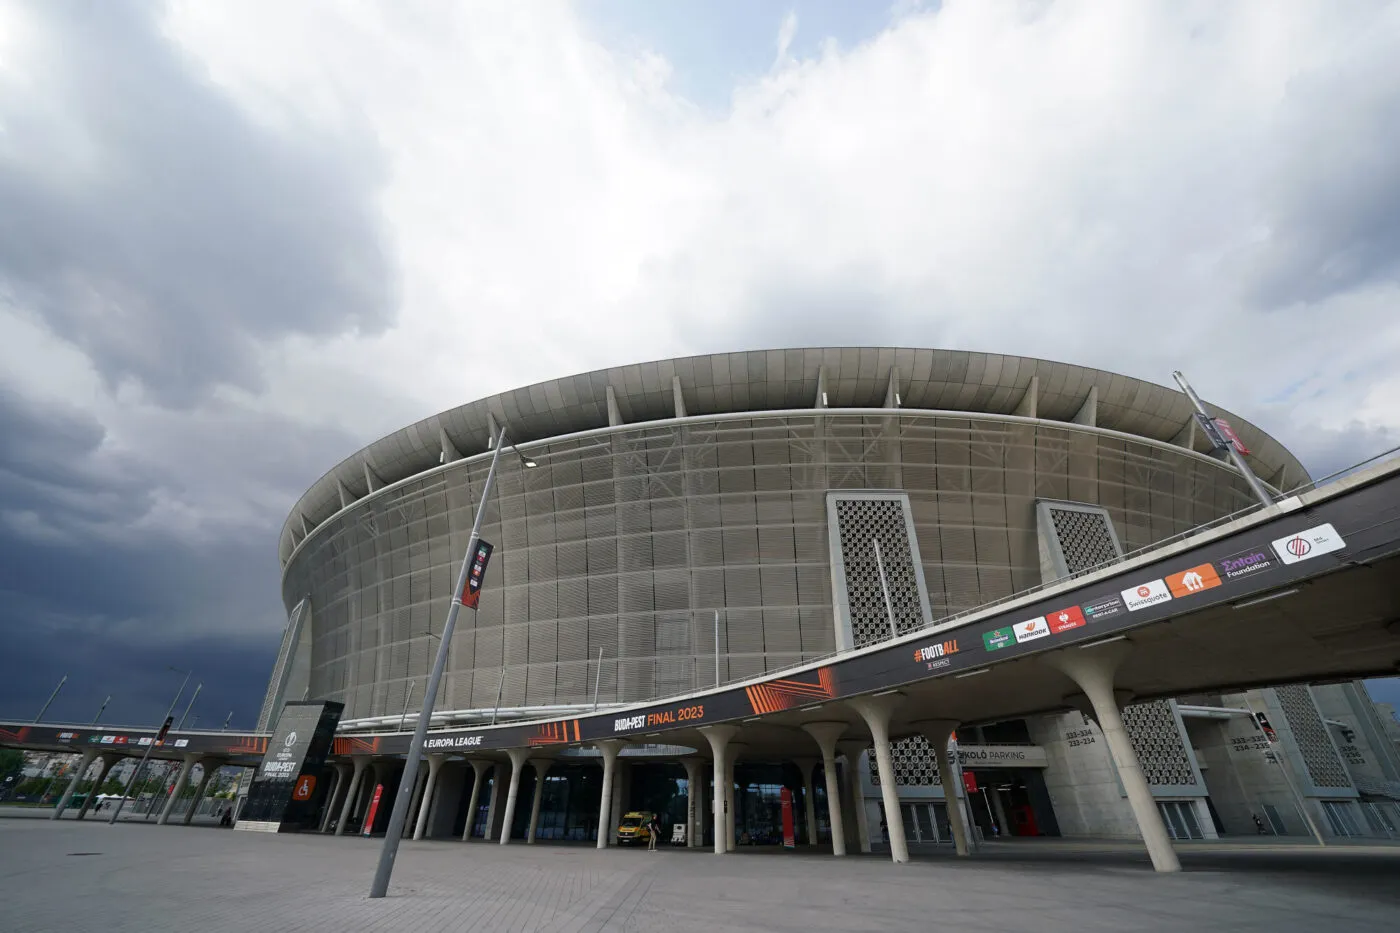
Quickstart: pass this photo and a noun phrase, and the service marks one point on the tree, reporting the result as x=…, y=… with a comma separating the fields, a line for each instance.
x=11, y=762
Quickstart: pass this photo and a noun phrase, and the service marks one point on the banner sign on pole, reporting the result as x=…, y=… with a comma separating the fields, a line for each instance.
x=789, y=838
x=1212, y=432
x=471, y=596
x=164, y=729
x=1228, y=433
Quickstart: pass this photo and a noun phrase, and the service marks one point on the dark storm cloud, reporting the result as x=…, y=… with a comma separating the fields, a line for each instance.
x=157, y=227
x=83, y=592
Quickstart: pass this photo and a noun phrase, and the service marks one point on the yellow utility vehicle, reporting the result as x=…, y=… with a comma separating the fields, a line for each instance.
x=634, y=827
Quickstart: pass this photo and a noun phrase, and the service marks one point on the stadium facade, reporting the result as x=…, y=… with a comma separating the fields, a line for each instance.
x=714, y=518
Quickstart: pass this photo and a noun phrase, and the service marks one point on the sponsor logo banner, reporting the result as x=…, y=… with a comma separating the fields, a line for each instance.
x=1245, y=564
x=1105, y=607
x=108, y=739
x=1065, y=619
x=936, y=655
x=181, y=743
x=994, y=641
x=1196, y=580
x=1305, y=545
x=1146, y=594
x=1031, y=629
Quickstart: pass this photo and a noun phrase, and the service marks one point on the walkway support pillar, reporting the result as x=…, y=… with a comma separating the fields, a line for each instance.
x=1092, y=668
x=479, y=769
x=938, y=732
x=425, y=804
x=180, y=779
x=108, y=760
x=78, y=773
x=342, y=775
x=541, y=768
x=852, y=749
x=692, y=799
x=718, y=737
x=610, y=749
x=494, y=807
x=359, y=763
x=826, y=734
x=208, y=768
x=876, y=711
x=805, y=765
x=731, y=809
x=420, y=781
x=517, y=764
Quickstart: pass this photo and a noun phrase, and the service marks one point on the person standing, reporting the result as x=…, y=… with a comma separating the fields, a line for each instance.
x=654, y=830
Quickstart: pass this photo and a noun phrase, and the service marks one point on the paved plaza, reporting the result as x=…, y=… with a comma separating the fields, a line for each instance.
x=78, y=877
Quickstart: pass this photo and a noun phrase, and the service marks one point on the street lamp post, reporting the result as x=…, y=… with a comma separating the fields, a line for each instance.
x=403, y=798
x=141, y=765
x=45, y=708
x=1236, y=457
x=195, y=696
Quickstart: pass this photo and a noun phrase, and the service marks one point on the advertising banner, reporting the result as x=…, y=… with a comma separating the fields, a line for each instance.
x=789, y=839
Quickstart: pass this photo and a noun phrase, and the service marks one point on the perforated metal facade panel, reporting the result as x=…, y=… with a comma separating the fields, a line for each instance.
x=868, y=609
x=1156, y=738
x=915, y=765
x=1325, y=768
x=627, y=542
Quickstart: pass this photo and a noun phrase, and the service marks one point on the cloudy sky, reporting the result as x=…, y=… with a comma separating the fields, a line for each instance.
x=241, y=238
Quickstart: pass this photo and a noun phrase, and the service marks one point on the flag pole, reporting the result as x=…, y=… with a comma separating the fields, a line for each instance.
x=1236, y=457
x=403, y=797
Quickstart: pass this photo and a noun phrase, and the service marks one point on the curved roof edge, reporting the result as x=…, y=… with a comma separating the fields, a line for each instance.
x=772, y=380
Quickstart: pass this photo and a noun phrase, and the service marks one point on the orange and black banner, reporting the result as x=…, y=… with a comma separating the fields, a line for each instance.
x=776, y=695
x=557, y=733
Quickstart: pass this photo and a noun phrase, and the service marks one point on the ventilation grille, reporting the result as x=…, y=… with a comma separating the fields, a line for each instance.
x=1325, y=769
x=1085, y=538
x=914, y=763
x=860, y=523
x=1157, y=741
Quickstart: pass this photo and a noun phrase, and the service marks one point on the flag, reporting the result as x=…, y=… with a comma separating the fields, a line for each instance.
x=476, y=574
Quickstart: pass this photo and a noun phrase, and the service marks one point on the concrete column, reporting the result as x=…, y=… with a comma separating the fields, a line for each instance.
x=425, y=804
x=479, y=769
x=180, y=780
x=517, y=763
x=852, y=749
x=342, y=784
x=1092, y=669
x=806, y=765
x=1003, y=823
x=609, y=748
x=358, y=763
x=420, y=781
x=692, y=805
x=88, y=756
x=493, y=808
x=541, y=768
x=731, y=809
x=718, y=737
x=938, y=731
x=826, y=734
x=108, y=761
x=876, y=711
x=209, y=767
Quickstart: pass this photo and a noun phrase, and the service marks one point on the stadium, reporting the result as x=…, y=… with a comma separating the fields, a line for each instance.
x=668, y=526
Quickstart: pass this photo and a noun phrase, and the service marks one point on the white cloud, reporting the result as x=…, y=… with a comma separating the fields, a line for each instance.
x=1131, y=186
